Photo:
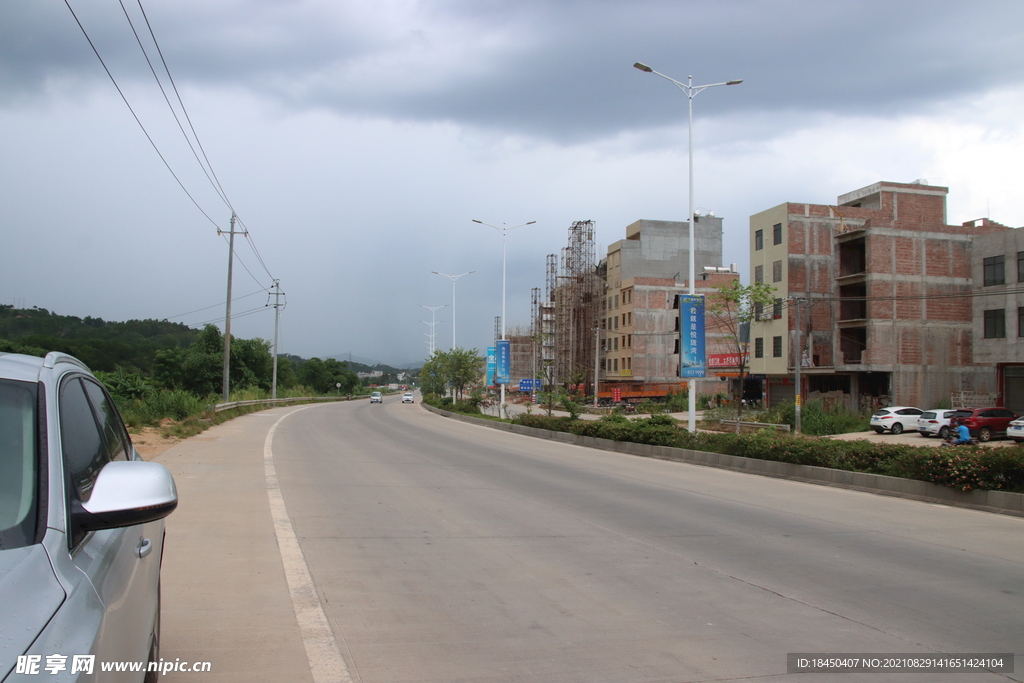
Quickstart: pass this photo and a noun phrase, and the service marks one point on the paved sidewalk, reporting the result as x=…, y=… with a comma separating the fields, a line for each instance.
x=224, y=593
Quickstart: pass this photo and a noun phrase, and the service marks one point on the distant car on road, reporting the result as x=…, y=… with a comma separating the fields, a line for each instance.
x=986, y=423
x=407, y=397
x=81, y=525
x=936, y=422
x=896, y=419
x=376, y=397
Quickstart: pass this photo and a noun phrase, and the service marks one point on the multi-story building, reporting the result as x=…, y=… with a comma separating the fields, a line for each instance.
x=644, y=276
x=998, y=312
x=881, y=284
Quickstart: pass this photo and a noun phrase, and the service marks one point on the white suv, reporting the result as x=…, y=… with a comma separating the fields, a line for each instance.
x=896, y=419
x=407, y=397
x=936, y=422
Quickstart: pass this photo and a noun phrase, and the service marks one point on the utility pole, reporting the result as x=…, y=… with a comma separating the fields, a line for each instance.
x=597, y=361
x=226, y=384
x=277, y=294
x=798, y=360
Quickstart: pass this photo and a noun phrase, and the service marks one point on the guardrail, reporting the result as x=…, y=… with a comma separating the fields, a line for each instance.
x=280, y=401
x=756, y=425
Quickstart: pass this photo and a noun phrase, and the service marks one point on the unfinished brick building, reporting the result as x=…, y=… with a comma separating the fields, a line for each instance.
x=883, y=286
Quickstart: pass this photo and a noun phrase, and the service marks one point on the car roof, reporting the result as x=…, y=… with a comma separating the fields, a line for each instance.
x=29, y=368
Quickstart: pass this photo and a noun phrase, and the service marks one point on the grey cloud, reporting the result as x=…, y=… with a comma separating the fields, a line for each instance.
x=555, y=70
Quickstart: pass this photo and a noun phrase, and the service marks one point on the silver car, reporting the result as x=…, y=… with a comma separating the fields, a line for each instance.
x=81, y=528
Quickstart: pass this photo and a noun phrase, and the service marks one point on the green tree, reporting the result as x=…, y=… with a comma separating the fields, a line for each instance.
x=737, y=307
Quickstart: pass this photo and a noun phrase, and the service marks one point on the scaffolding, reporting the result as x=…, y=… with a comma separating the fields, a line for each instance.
x=575, y=295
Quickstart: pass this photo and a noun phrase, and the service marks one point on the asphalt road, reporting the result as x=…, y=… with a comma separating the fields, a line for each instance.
x=449, y=552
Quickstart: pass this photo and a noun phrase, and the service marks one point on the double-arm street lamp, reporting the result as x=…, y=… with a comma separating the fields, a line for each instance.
x=691, y=91
x=504, y=230
x=453, y=277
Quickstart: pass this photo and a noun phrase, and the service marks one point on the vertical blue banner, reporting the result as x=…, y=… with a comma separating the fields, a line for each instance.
x=692, y=361
x=492, y=355
x=504, y=369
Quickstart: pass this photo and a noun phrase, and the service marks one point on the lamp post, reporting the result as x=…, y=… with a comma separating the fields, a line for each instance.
x=453, y=277
x=691, y=91
x=504, y=230
x=433, y=310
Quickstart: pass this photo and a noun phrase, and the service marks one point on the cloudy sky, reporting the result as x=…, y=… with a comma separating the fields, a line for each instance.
x=358, y=139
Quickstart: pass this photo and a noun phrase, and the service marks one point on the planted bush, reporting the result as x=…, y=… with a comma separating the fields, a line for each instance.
x=962, y=467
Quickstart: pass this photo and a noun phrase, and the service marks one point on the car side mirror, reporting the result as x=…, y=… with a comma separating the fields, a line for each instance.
x=126, y=494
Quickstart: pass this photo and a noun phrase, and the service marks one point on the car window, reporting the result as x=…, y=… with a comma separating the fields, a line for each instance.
x=19, y=463
x=81, y=442
x=909, y=411
x=928, y=416
x=113, y=429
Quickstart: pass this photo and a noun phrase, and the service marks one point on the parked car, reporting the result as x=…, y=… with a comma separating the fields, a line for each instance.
x=936, y=422
x=407, y=397
x=376, y=397
x=986, y=424
x=895, y=419
x=81, y=526
x=1015, y=430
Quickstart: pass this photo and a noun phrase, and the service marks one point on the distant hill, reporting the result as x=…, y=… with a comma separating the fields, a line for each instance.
x=99, y=344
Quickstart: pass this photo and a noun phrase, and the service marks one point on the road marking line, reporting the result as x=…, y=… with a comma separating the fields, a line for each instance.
x=325, y=660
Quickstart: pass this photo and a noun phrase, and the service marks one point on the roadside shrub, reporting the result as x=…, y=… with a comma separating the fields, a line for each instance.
x=963, y=467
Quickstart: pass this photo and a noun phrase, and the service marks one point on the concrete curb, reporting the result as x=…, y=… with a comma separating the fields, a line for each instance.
x=1001, y=502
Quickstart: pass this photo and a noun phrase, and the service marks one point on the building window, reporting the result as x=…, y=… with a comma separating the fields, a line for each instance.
x=616, y=344
x=777, y=310
x=995, y=273
x=1020, y=266
x=758, y=311
x=776, y=347
x=777, y=233
x=758, y=240
x=995, y=324
x=615, y=365
x=1020, y=322
x=777, y=271
x=675, y=349
x=758, y=273
x=759, y=347
x=616, y=322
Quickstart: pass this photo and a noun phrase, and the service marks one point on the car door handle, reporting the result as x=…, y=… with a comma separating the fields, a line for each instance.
x=144, y=548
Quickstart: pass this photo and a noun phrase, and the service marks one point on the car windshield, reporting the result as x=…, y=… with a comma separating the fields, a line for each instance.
x=18, y=463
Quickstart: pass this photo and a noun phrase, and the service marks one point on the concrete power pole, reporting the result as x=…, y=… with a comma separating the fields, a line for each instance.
x=227, y=315
x=277, y=294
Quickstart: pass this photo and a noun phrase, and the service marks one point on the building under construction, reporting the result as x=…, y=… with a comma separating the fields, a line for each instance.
x=567, y=317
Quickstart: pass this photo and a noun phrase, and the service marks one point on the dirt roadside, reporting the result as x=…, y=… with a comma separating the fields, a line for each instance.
x=151, y=442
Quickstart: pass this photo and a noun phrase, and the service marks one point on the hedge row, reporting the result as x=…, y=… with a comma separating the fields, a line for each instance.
x=960, y=467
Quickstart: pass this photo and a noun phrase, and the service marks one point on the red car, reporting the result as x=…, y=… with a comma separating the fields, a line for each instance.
x=985, y=423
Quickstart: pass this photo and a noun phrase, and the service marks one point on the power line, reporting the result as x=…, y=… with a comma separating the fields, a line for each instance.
x=134, y=115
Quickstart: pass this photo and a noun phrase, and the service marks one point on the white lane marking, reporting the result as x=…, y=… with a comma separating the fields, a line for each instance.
x=325, y=660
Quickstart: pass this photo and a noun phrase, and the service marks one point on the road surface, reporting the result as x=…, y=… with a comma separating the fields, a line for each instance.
x=441, y=551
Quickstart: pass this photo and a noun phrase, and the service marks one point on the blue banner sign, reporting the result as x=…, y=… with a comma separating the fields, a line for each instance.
x=504, y=368
x=692, y=361
x=492, y=355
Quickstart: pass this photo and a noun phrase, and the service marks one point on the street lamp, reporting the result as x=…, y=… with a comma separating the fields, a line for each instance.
x=504, y=232
x=453, y=277
x=691, y=91
x=433, y=310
